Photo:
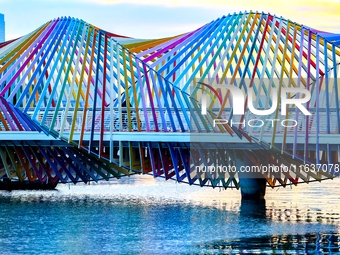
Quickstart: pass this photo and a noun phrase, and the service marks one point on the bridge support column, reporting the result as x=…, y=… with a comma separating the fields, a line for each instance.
x=252, y=184
x=253, y=188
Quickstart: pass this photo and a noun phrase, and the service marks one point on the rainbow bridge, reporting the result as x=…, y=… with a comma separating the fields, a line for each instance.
x=80, y=104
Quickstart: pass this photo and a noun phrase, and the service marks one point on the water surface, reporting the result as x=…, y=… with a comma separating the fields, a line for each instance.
x=141, y=215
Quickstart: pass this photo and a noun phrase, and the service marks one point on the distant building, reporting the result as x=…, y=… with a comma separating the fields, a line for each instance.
x=2, y=27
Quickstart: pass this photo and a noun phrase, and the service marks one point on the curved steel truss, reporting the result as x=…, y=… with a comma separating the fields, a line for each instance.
x=110, y=105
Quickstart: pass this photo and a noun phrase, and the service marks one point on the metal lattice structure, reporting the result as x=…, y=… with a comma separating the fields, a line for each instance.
x=78, y=103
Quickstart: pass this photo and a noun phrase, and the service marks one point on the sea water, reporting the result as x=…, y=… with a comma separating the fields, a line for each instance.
x=143, y=215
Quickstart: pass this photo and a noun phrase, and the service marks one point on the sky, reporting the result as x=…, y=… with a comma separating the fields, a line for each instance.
x=160, y=18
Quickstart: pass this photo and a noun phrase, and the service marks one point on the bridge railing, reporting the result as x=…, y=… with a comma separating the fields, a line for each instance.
x=252, y=124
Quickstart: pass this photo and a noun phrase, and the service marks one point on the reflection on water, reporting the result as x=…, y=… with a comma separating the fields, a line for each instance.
x=309, y=243
x=141, y=215
x=253, y=209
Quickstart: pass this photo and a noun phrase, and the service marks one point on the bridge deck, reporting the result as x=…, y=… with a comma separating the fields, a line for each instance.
x=167, y=137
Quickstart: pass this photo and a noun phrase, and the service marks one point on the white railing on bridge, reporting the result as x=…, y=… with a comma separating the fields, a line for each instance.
x=122, y=124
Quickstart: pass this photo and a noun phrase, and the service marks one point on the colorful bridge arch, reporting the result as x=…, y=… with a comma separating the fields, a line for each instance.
x=78, y=103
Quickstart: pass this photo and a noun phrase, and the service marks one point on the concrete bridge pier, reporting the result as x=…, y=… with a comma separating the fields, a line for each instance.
x=253, y=188
x=252, y=185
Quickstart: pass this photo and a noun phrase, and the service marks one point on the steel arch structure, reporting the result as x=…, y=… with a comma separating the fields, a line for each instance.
x=114, y=105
